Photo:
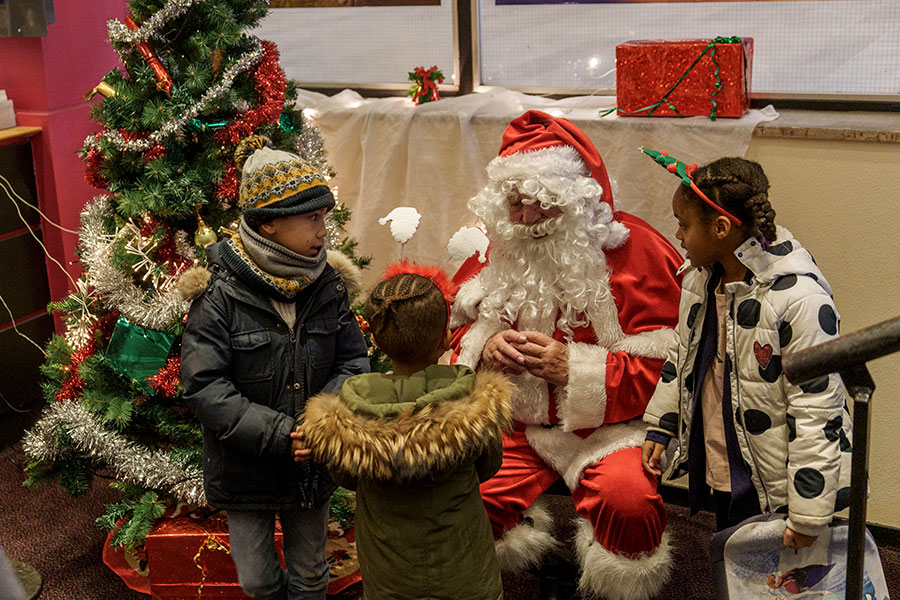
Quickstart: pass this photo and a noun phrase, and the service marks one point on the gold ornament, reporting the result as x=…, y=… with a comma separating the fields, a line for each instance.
x=204, y=236
x=102, y=88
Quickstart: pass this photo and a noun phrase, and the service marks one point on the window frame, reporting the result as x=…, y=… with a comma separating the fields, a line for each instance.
x=467, y=63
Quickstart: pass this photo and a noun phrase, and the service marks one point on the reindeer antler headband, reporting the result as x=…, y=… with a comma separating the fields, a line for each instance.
x=685, y=173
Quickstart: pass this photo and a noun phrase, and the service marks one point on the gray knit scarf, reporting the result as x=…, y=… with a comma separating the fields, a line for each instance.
x=264, y=263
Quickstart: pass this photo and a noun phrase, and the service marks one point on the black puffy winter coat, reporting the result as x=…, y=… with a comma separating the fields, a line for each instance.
x=247, y=377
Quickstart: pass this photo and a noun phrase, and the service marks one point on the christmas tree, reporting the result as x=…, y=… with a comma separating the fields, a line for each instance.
x=192, y=84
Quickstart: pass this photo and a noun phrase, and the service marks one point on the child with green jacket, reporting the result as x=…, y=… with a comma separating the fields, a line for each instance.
x=415, y=445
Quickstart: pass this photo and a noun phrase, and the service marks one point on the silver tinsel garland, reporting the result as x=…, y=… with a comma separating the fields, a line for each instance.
x=311, y=147
x=169, y=128
x=120, y=33
x=184, y=248
x=332, y=232
x=134, y=463
x=156, y=309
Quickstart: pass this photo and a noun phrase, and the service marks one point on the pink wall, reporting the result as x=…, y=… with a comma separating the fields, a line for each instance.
x=46, y=78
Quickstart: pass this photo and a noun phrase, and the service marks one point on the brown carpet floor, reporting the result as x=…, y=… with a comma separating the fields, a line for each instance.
x=56, y=534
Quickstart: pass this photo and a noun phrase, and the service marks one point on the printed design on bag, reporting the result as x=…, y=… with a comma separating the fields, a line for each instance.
x=763, y=354
x=799, y=579
x=750, y=562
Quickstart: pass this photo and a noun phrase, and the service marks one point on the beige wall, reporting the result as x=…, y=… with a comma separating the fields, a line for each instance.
x=841, y=200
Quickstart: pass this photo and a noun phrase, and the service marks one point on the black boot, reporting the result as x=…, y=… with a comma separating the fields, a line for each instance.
x=558, y=575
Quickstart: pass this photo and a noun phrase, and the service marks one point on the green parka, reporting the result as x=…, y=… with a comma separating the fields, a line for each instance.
x=415, y=449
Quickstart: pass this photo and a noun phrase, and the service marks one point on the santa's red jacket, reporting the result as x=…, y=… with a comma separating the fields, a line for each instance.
x=613, y=366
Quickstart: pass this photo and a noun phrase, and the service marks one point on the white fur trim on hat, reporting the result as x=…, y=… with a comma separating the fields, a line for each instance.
x=523, y=546
x=562, y=161
x=616, y=577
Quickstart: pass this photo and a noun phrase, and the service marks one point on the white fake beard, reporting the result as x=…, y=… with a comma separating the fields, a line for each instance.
x=537, y=272
x=536, y=231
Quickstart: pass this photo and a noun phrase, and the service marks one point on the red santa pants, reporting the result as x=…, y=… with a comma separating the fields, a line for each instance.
x=615, y=494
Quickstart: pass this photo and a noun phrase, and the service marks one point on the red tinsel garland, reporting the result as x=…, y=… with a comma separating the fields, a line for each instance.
x=155, y=151
x=92, y=175
x=270, y=85
x=74, y=384
x=130, y=136
x=228, y=188
x=168, y=379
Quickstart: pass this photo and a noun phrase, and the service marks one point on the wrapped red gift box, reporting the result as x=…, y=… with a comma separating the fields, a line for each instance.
x=647, y=70
x=188, y=558
x=186, y=553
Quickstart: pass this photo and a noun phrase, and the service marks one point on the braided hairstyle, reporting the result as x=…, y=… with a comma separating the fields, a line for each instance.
x=741, y=187
x=407, y=314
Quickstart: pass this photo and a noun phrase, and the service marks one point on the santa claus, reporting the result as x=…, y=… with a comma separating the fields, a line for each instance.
x=577, y=304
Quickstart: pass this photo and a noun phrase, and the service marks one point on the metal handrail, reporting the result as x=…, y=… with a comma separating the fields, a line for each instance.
x=847, y=356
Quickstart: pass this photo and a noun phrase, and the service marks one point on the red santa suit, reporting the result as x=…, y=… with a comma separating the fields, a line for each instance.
x=589, y=431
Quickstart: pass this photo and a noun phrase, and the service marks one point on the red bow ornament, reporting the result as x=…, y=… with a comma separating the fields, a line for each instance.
x=424, y=88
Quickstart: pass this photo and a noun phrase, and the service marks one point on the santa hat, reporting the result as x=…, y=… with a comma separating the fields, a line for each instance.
x=540, y=144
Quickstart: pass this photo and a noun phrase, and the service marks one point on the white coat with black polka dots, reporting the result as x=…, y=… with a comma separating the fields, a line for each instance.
x=795, y=438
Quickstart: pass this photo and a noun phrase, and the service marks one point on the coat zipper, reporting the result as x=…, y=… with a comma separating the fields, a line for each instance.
x=683, y=432
x=293, y=336
x=301, y=319
x=736, y=395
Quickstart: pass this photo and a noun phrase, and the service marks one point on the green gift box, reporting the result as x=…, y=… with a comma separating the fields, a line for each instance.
x=138, y=352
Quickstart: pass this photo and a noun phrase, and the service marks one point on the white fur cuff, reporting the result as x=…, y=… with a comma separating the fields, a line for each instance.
x=472, y=344
x=524, y=545
x=616, y=577
x=582, y=404
x=467, y=298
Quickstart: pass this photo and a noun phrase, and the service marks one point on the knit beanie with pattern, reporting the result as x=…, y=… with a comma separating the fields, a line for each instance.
x=275, y=183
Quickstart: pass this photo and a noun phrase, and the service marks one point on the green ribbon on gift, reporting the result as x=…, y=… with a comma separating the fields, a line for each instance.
x=138, y=352
x=711, y=48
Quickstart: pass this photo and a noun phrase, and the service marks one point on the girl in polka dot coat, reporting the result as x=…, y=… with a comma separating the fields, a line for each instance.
x=750, y=293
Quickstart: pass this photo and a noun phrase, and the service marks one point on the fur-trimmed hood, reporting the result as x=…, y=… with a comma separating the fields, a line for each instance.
x=392, y=427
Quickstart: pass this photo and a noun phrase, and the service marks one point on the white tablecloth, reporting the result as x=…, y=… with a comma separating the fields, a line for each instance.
x=388, y=152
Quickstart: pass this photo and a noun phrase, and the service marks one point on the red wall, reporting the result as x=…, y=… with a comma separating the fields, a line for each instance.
x=46, y=78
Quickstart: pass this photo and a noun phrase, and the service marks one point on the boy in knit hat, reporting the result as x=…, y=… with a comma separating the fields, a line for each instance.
x=272, y=328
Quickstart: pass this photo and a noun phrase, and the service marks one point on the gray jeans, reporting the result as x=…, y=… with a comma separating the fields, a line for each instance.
x=252, y=538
